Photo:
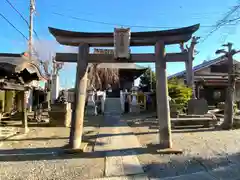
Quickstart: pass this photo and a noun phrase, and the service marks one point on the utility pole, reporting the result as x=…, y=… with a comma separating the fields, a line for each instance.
x=30, y=45
x=30, y=41
x=228, y=109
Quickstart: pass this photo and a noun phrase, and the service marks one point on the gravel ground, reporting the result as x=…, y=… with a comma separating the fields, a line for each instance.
x=6, y=132
x=203, y=149
x=38, y=155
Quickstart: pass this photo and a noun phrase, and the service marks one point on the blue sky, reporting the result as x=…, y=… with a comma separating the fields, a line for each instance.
x=163, y=14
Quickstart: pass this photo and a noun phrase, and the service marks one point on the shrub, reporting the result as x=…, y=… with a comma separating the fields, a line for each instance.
x=179, y=93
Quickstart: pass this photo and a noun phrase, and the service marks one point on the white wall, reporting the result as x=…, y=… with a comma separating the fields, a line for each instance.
x=137, y=82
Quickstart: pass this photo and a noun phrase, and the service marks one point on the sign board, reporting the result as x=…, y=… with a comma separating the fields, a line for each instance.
x=103, y=51
x=121, y=43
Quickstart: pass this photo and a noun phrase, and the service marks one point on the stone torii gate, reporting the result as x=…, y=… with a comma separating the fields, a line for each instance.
x=159, y=39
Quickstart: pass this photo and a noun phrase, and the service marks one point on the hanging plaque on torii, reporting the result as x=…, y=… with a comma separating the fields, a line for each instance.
x=121, y=43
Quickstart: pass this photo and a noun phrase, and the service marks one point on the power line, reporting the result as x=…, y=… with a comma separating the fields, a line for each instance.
x=13, y=26
x=17, y=11
x=97, y=22
x=115, y=24
x=190, y=15
x=233, y=20
x=223, y=22
x=22, y=17
x=231, y=30
x=234, y=9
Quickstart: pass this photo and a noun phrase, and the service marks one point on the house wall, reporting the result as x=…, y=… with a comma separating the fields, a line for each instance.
x=208, y=93
x=203, y=71
x=2, y=100
x=207, y=71
x=219, y=85
x=237, y=92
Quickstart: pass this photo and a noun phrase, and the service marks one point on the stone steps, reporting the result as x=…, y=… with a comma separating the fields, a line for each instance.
x=112, y=106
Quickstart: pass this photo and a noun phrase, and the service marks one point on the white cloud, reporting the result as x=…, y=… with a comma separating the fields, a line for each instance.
x=45, y=49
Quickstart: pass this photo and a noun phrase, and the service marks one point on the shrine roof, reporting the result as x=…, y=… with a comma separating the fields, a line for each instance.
x=20, y=65
x=96, y=39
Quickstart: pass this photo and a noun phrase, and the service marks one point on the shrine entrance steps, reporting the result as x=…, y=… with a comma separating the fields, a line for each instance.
x=112, y=106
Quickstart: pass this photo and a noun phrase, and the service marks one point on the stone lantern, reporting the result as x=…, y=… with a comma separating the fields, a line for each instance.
x=134, y=108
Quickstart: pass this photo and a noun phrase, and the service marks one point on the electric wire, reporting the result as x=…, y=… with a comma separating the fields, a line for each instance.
x=13, y=26
x=22, y=17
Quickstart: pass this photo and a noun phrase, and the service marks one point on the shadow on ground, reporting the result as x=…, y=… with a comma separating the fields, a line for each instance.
x=173, y=166
x=92, y=121
x=177, y=165
x=87, y=138
x=37, y=154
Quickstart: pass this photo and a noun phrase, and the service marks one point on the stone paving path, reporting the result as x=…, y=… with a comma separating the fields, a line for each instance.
x=121, y=160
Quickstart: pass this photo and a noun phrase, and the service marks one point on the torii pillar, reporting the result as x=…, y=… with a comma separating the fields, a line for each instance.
x=163, y=110
x=79, y=96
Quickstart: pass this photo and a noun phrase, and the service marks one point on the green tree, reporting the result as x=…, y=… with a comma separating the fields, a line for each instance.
x=179, y=92
x=148, y=80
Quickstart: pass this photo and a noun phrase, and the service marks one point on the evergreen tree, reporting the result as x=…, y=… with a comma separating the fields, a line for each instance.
x=179, y=92
x=147, y=78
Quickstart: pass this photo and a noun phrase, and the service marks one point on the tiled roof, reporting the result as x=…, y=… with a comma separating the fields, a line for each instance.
x=203, y=65
x=19, y=62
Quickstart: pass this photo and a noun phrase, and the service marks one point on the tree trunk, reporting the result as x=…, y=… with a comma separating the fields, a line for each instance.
x=228, y=109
